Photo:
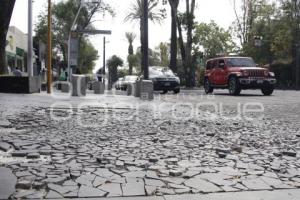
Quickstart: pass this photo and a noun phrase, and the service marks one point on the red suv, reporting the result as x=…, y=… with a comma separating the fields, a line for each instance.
x=236, y=74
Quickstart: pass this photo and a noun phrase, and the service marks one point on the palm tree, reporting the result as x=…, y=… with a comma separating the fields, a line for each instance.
x=130, y=38
x=174, y=10
x=154, y=14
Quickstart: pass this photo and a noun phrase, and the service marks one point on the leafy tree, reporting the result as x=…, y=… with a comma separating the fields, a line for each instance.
x=186, y=20
x=6, y=9
x=130, y=38
x=63, y=15
x=87, y=63
x=213, y=39
x=113, y=63
x=164, y=56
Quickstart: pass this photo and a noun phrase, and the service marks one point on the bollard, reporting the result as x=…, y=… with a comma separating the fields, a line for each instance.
x=137, y=88
x=78, y=85
x=65, y=87
x=98, y=87
x=146, y=90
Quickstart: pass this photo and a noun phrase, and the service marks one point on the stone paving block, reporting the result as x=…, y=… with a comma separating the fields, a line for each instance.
x=133, y=189
x=7, y=183
x=85, y=191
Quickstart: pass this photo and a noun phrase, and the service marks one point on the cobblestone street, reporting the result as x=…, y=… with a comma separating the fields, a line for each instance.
x=120, y=146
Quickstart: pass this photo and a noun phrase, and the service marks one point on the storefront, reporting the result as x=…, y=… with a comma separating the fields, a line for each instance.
x=16, y=49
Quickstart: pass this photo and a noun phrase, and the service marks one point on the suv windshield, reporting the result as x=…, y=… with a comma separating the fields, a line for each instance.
x=160, y=72
x=240, y=62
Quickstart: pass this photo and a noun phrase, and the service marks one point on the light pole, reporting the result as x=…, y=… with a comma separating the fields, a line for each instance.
x=49, y=49
x=29, y=41
x=69, y=40
x=104, y=49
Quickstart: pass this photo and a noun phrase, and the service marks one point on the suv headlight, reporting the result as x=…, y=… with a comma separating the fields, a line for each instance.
x=272, y=74
x=177, y=79
x=266, y=73
x=245, y=73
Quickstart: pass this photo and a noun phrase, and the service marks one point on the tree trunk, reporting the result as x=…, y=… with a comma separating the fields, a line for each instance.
x=6, y=10
x=173, y=60
x=190, y=26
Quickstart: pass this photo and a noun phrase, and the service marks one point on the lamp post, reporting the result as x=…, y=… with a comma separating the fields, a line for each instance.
x=49, y=49
x=69, y=40
x=29, y=41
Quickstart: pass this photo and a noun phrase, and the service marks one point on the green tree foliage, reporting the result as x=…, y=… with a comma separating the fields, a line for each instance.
x=113, y=63
x=87, y=62
x=130, y=38
x=6, y=9
x=164, y=54
x=63, y=15
x=212, y=39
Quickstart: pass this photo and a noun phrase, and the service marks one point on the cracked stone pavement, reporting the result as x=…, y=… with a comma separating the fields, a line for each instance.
x=119, y=146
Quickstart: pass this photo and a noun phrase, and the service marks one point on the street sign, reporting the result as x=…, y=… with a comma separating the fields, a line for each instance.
x=95, y=32
x=74, y=46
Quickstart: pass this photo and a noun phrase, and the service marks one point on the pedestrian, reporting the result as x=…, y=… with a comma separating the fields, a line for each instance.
x=17, y=72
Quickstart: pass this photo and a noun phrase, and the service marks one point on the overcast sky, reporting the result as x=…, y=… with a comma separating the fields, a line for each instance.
x=221, y=11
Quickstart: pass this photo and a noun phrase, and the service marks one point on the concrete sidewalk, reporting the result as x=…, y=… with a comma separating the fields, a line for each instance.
x=290, y=194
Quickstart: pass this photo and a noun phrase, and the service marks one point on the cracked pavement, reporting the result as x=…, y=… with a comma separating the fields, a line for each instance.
x=119, y=146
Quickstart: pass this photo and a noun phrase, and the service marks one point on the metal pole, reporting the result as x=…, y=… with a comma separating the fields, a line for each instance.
x=297, y=66
x=30, y=45
x=69, y=50
x=104, y=64
x=145, y=53
x=49, y=50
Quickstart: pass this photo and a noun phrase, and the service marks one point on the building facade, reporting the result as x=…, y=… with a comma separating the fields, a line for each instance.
x=16, y=49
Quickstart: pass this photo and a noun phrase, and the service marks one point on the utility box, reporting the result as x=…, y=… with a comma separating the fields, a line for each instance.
x=78, y=85
x=98, y=87
x=146, y=90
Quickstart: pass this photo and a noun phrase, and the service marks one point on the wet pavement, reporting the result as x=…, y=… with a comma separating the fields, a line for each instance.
x=120, y=146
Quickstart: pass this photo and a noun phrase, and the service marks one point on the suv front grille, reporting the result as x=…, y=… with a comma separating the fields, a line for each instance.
x=256, y=73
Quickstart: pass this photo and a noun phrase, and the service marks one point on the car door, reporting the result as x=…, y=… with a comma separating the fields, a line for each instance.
x=215, y=72
x=222, y=72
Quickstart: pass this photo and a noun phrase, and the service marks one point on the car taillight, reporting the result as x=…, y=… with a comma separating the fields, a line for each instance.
x=266, y=73
x=246, y=73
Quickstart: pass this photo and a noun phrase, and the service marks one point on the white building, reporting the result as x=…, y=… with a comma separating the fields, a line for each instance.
x=16, y=48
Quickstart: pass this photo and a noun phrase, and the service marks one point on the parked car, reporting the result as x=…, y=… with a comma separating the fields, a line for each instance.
x=236, y=74
x=123, y=82
x=164, y=79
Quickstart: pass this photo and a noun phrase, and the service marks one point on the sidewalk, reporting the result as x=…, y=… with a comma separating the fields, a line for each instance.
x=290, y=194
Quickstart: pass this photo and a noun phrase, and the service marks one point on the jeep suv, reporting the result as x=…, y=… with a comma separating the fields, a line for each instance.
x=236, y=74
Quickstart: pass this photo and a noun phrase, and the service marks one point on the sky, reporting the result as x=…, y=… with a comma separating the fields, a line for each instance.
x=221, y=11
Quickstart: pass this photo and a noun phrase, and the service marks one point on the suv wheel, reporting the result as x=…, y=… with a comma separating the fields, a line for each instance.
x=176, y=91
x=234, y=87
x=267, y=90
x=207, y=86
